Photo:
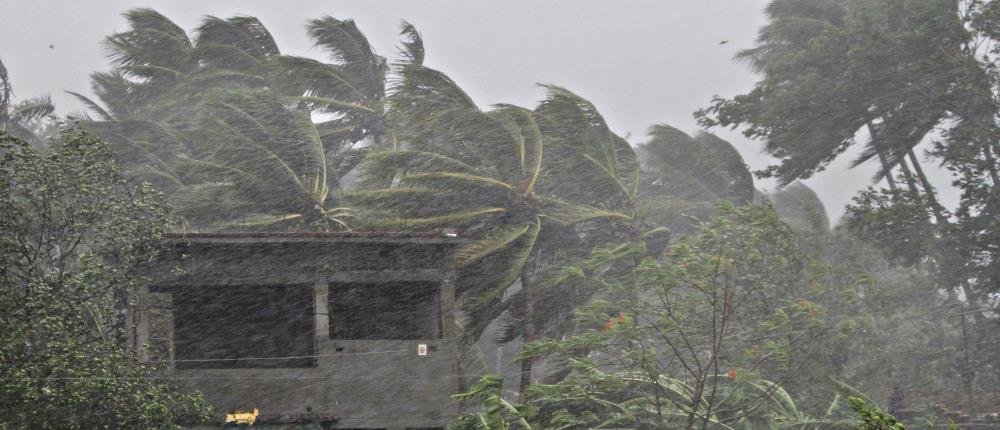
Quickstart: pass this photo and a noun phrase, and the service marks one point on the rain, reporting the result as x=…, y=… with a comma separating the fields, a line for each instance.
x=712, y=214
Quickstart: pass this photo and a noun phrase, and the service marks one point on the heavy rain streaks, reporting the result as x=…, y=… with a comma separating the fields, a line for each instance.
x=241, y=216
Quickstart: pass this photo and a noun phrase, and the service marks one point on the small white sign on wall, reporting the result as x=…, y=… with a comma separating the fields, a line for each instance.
x=422, y=349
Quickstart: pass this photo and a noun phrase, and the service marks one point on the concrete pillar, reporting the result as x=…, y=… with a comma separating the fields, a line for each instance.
x=448, y=305
x=320, y=291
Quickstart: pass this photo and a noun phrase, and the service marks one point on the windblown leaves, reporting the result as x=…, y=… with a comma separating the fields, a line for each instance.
x=830, y=69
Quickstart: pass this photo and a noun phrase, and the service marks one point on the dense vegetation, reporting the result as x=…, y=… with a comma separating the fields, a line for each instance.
x=655, y=284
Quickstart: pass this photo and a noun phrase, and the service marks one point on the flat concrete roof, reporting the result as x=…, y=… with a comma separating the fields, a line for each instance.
x=443, y=236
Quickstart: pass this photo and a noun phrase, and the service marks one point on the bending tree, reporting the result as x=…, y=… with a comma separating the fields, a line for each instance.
x=225, y=118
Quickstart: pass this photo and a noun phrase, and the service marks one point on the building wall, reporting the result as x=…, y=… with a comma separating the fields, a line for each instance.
x=361, y=383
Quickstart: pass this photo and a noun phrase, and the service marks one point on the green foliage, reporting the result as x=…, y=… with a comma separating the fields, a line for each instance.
x=223, y=121
x=509, y=176
x=241, y=136
x=896, y=222
x=873, y=418
x=496, y=414
x=710, y=168
x=689, y=336
x=898, y=73
x=831, y=68
x=74, y=234
x=800, y=207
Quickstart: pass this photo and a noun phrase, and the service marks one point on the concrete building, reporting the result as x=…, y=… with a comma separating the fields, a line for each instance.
x=316, y=330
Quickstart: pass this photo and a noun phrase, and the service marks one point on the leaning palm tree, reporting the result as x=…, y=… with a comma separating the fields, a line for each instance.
x=485, y=171
x=157, y=85
x=15, y=117
x=222, y=121
x=351, y=89
x=268, y=167
x=703, y=167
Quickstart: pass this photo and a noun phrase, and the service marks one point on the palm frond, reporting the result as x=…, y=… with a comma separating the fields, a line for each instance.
x=383, y=166
x=526, y=132
x=454, y=181
x=306, y=76
x=350, y=49
x=237, y=43
x=153, y=40
x=283, y=141
x=32, y=109
x=449, y=219
x=496, y=240
x=572, y=213
x=328, y=105
x=490, y=277
x=6, y=90
x=413, y=45
x=262, y=220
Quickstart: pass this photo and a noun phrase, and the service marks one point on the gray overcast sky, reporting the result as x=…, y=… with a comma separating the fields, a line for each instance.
x=641, y=62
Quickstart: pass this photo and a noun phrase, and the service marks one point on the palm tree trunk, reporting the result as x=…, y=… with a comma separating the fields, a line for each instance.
x=529, y=326
x=929, y=193
x=911, y=183
x=881, y=158
x=991, y=164
x=888, y=173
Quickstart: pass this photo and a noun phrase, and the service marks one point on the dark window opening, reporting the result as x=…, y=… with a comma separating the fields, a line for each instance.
x=384, y=310
x=244, y=327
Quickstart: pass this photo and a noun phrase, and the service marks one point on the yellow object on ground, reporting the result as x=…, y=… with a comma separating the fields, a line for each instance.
x=241, y=417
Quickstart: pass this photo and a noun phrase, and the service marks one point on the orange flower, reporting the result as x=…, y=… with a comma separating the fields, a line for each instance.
x=608, y=327
x=621, y=319
x=731, y=373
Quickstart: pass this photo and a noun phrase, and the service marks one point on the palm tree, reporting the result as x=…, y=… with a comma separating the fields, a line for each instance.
x=801, y=208
x=155, y=90
x=15, y=117
x=268, y=167
x=352, y=88
x=684, y=176
x=486, y=171
x=703, y=167
x=223, y=121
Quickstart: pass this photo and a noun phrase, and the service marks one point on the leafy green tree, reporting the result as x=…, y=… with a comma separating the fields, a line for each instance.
x=830, y=69
x=686, y=325
x=496, y=414
x=74, y=237
x=873, y=418
x=16, y=118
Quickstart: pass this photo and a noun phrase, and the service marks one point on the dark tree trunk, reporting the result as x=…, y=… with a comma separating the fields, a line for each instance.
x=881, y=158
x=991, y=164
x=929, y=193
x=529, y=326
x=911, y=183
